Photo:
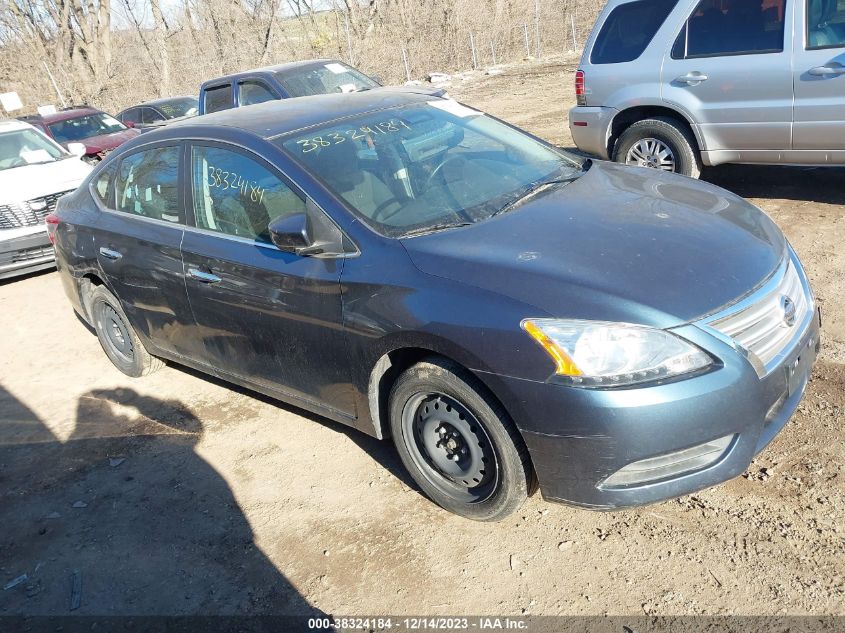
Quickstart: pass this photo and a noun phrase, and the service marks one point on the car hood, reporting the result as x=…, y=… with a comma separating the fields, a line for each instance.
x=34, y=181
x=618, y=244
x=105, y=142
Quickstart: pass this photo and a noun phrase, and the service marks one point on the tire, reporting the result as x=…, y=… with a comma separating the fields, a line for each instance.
x=457, y=443
x=117, y=336
x=653, y=132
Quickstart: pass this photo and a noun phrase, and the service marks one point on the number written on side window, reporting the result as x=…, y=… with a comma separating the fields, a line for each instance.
x=147, y=184
x=237, y=195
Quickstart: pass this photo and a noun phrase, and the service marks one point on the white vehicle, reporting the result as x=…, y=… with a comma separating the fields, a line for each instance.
x=34, y=173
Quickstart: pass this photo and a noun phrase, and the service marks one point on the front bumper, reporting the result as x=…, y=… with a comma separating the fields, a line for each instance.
x=578, y=437
x=24, y=251
x=590, y=129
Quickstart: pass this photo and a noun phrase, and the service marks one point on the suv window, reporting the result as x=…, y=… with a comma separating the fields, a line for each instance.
x=147, y=184
x=252, y=92
x=237, y=195
x=218, y=98
x=629, y=29
x=718, y=27
x=825, y=24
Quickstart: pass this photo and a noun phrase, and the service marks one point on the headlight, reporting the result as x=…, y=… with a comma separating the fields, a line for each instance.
x=601, y=353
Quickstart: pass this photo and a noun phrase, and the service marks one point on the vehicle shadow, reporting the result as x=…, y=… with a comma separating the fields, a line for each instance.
x=382, y=451
x=812, y=184
x=124, y=517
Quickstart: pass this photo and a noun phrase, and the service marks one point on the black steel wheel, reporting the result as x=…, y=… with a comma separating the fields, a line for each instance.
x=117, y=337
x=458, y=443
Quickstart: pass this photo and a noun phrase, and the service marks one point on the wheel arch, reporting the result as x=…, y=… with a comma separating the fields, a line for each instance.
x=627, y=117
x=86, y=284
x=392, y=364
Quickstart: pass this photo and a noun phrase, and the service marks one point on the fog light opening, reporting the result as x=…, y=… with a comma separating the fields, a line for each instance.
x=669, y=465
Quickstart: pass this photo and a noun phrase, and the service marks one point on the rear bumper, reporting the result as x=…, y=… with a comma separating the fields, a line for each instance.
x=24, y=251
x=578, y=438
x=590, y=129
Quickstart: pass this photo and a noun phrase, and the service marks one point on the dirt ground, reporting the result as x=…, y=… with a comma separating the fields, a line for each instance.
x=177, y=494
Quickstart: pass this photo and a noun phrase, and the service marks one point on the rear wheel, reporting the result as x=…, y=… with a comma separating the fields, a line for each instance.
x=457, y=443
x=118, y=338
x=659, y=143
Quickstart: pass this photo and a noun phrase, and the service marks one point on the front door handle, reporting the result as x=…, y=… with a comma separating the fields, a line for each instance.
x=692, y=78
x=110, y=254
x=200, y=275
x=827, y=71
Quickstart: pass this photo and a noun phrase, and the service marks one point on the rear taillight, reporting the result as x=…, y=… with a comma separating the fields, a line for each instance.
x=580, y=88
x=52, y=222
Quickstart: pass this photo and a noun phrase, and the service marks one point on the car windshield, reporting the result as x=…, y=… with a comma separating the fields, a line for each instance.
x=324, y=79
x=84, y=127
x=186, y=106
x=429, y=166
x=27, y=147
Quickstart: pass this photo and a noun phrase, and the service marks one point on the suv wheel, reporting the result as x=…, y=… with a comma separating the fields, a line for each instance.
x=457, y=443
x=118, y=338
x=659, y=143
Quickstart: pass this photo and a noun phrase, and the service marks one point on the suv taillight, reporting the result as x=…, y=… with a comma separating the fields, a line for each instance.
x=52, y=222
x=580, y=89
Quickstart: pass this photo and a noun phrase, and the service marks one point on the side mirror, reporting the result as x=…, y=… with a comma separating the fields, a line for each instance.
x=309, y=233
x=77, y=149
x=129, y=123
x=290, y=233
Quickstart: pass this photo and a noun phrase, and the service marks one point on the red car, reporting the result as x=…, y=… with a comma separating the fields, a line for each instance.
x=98, y=131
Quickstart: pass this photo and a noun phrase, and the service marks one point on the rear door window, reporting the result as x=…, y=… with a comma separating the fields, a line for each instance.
x=252, y=92
x=151, y=115
x=237, y=195
x=629, y=29
x=147, y=184
x=730, y=27
x=218, y=98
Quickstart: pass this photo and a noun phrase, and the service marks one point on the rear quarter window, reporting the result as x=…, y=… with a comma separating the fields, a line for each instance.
x=629, y=29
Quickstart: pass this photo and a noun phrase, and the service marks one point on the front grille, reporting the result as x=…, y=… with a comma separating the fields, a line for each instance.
x=28, y=254
x=767, y=322
x=29, y=213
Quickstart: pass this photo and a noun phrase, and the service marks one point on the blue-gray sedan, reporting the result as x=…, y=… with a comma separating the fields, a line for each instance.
x=508, y=313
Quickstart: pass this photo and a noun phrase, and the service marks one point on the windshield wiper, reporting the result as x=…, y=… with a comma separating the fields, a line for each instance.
x=434, y=228
x=532, y=190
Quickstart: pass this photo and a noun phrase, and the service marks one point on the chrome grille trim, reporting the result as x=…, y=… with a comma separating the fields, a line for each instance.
x=757, y=325
x=29, y=213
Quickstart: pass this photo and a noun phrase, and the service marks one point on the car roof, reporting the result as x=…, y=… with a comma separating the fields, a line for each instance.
x=269, y=70
x=69, y=113
x=9, y=125
x=160, y=101
x=278, y=117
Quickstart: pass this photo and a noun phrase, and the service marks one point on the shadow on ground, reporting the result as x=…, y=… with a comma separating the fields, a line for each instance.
x=124, y=517
x=811, y=184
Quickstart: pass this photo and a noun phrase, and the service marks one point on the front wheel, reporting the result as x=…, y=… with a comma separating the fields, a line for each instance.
x=457, y=443
x=659, y=143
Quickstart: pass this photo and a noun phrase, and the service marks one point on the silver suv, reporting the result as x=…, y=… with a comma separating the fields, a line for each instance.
x=674, y=84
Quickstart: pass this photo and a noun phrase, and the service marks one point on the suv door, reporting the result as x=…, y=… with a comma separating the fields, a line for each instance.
x=729, y=72
x=819, y=68
x=137, y=243
x=264, y=317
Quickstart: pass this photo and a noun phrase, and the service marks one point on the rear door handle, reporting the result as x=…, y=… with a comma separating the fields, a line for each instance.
x=827, y=71
x=109, y=253
x=204, y=277
x=692, y=78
